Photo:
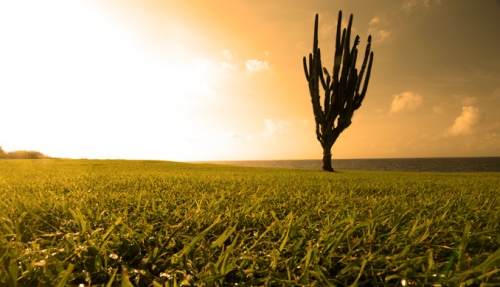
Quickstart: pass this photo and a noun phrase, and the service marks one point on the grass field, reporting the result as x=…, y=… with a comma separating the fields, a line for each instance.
x=152, y=223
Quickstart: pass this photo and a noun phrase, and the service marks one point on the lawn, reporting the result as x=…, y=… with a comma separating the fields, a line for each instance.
x=157, y=223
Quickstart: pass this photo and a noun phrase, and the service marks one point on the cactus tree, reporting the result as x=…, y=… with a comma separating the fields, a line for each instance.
x=343, y=93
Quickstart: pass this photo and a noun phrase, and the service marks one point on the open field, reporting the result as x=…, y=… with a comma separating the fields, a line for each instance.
x=152, y=223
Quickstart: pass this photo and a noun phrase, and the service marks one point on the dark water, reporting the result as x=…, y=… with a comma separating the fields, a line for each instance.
x=390, y=164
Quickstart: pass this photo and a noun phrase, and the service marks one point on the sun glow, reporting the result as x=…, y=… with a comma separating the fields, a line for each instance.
x=78, y=74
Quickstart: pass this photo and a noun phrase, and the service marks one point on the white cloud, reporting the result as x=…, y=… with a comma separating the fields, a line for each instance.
x=408, y=5
x=381, y=35
x=239, y=136
x=375, y=20
x=256, y=65
x=464, y=123
x=227, y=54
x=407, y=101
x=276, y=126
x=411, y=4
x=378, y=34
x=229, y=66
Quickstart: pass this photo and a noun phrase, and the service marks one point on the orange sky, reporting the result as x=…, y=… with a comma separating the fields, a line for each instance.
x=223, y=80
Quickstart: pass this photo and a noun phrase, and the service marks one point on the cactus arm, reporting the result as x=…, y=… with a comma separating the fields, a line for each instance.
x=349, y=111
x=338, y=61
x=346, y=65
x=338, y=53
x=320, y=71
x=314, y=91
x=337, y=37
x=352, y=76
x=327, y=93
x=319, y=136
x=359, y=97
x=315, y=39
x=354, y=52
x=363, y=66
x=340, y=98
x=367, y=79
x=315, y=74
x=347, y=54
x=310, y=66
x=343, y=73
x=313, y=88
x=304, y=61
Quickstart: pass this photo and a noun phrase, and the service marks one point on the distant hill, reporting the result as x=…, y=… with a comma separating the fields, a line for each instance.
x=22, y=154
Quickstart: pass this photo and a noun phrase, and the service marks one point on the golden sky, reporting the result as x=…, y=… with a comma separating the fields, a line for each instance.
x=223, y=80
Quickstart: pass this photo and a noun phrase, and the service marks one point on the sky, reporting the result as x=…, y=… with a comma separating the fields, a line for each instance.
x=223, y=80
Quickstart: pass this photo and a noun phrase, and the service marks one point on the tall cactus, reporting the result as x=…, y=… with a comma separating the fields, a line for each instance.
x=342, y=94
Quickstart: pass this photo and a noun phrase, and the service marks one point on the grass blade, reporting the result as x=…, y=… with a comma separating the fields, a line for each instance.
x=65, y=275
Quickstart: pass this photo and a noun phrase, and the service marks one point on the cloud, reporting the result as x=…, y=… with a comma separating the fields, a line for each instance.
x=411, y=4
x=229, y=66
x=464, y=123
x=408, y=5
x=375, y=20
x=256, y=65
x=238, y=136
x=276, y=127
x=407, y=101
x=380, y=35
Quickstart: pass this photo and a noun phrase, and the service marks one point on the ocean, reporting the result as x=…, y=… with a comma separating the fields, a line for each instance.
x=464, y=164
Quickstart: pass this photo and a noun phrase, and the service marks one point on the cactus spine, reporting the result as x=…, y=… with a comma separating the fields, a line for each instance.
x=342, y=95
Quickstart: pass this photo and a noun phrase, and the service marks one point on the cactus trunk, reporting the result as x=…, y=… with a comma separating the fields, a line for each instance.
x=342, y=94
x=327, y=159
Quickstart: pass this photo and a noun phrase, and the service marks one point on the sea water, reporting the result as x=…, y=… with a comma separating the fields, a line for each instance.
x=464, y=164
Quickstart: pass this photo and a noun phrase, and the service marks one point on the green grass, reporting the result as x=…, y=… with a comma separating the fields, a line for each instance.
x=151, y=223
